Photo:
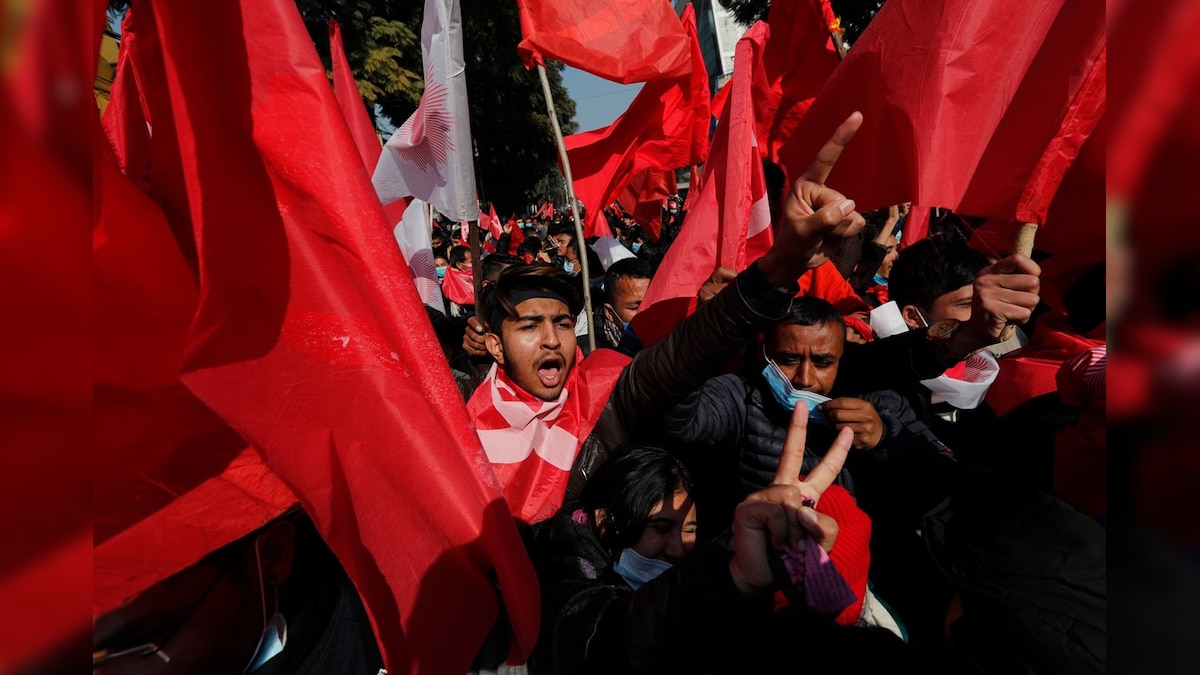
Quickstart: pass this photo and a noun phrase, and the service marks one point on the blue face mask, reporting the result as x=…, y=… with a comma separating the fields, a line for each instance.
x=788, y=396
x=880, y=280
x=636, y=246
x=637, y=569
x=441, y=272
x=569, y=268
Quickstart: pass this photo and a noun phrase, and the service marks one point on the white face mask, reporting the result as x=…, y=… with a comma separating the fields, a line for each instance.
x=637, y=569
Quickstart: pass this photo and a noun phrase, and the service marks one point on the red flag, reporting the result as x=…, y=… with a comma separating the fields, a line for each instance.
x=730, y=225
x=620, y=40
x=458, y=287
x=351, y=102
x=304, y=340
x=719, y=101
x=643, y=196
x=493, y=222
x=124, y=120
x=665, y=127
x=916, y=227
x=516, y=236
x=693, y=189
x=798, y=59
x=976, y=106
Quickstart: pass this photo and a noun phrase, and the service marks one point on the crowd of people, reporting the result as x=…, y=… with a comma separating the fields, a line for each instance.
x=807, y=474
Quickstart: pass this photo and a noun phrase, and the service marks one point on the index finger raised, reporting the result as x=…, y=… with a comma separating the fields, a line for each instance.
x=829, y=153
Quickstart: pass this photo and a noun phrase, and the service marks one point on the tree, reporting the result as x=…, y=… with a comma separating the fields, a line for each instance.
x=855, y=14
x=514, y=141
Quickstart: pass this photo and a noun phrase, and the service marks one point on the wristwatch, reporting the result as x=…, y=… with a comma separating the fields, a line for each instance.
x=941, y=336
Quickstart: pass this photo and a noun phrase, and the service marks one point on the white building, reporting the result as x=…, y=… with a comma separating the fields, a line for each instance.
x=718, y=34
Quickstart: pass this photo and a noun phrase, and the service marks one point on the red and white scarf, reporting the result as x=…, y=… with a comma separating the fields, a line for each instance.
x=531, y=443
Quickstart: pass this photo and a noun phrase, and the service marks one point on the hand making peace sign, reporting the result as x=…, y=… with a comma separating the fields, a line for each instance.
x=782, y=514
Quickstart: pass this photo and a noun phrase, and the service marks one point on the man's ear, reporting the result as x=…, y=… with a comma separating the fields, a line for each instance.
x=494, y=347
x=912, y=317
x=276, y=552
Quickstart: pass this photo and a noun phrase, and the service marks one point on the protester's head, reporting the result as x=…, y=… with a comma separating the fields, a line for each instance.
x=932, y=280
x=625, y=285
x=460, y=258
x=673, y=203
x=530, y=313
x=807, y=345
x=440, y=263
x=437, y=238
x=209, y=617
x=889, y=258
x=496, y=263
x=564, y=241
x=642, y=500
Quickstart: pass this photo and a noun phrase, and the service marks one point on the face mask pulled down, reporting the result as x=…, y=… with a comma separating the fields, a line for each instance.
x=788, y=396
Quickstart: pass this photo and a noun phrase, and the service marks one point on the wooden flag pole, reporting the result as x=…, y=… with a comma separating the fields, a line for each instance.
x=585, y=273
x=476, y=267
x=1025, y=238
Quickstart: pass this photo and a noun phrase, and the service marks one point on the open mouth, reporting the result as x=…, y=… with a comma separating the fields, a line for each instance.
x=550, y=372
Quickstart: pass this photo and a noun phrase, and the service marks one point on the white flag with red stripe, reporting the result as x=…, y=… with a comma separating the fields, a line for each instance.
x=730, y=222
x=429, y=157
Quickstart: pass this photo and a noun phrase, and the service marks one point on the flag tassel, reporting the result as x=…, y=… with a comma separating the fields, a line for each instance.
x=566, y=165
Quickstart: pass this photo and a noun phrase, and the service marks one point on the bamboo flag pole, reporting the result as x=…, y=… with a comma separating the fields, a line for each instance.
x=585, y=273
x=1025, y=238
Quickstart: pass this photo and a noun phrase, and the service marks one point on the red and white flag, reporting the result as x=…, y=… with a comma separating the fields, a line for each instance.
x=413, y=235
x=429, y=156
x=730, y=224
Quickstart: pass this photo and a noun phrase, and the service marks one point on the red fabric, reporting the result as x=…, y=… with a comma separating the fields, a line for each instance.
x=916, y=227
x=827, y=283
x=851, y=553
x=1073, y=235
x=665, y=127
x=643, y=197
x=693, y=189
x=533, y=460
x=1031, y=371
x=459, y=286
x=45, y=490
x=620, y=40
x=978, y=106
x=730, y=223
x=860, y=326
x=1081, y=451
x=515, y=238
x=490, y=222
x=304, y=340
x=798, y=59
x=124, y=120
x=345, y=90
x=720, y=100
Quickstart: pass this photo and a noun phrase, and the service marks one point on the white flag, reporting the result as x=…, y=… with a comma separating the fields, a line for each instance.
x=430, y=155
x=413, y=235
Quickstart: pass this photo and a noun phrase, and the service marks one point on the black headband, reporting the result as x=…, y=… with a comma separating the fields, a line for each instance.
x=517, y=297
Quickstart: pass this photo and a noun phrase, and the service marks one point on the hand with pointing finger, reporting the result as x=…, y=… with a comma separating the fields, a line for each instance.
x=782, y=515
x=813, y=213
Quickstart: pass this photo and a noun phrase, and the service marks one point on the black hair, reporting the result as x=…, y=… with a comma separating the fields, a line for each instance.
x=1084, y=300
x=628, y=487
x=500, y=298
x=812, y=311
x=458, y=254
x=625, y=268
x=495, y=263
x=931, y=268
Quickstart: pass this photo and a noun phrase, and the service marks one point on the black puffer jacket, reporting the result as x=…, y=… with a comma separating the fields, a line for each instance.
x=735, y=431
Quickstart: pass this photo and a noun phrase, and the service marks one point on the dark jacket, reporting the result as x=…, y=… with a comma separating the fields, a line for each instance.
x=735, y=430
x=661, y=376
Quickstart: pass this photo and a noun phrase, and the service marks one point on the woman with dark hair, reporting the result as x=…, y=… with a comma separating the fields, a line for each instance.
x=627, y=589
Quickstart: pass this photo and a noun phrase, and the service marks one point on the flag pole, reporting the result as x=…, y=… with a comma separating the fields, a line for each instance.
x=585, y=273
x=1025, y=238
x=476, y=266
